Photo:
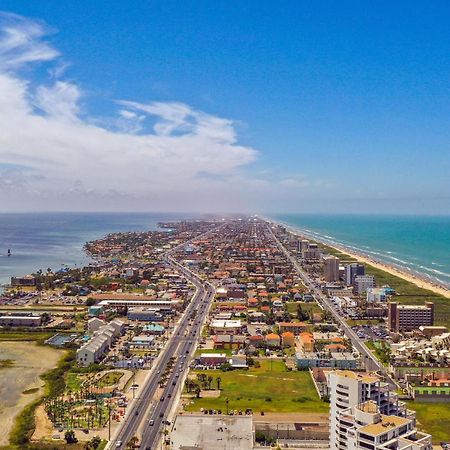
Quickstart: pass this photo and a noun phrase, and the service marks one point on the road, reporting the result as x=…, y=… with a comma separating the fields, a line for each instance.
x=370, y=361
x=144, y=413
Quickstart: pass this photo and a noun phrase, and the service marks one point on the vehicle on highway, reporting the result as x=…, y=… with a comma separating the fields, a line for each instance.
x=151, y=423
x=118, y=444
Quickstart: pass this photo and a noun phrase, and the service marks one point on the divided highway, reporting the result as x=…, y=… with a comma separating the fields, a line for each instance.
x=145, y=415
x=370, y=361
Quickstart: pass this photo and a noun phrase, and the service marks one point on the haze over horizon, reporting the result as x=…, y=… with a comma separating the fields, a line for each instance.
x=160, y=106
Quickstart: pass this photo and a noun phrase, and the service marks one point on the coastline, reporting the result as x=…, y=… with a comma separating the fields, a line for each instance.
x=420, y=281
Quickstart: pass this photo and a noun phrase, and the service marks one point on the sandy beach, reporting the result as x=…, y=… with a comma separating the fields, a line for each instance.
x=422, y=283
x=404, y=274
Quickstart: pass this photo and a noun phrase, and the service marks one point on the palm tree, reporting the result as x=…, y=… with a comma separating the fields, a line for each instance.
x=132, y=443
x=218, y=381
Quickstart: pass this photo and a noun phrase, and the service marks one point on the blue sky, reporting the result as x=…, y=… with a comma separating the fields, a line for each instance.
x=333, y=106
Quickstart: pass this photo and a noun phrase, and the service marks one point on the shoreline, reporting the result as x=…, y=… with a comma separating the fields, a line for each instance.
x=419, y=280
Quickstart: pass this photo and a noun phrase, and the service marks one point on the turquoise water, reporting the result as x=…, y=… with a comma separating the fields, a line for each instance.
x=42, y=240
x=417, y=243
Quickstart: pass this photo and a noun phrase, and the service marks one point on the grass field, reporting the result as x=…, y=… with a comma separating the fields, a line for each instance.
x=307, y=307
x=433, y=418
x=269, y=388
x=411, y=294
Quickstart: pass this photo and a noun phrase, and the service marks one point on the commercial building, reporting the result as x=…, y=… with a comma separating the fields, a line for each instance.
x=20, y=321
x=226, y=326
x=409, y=317
x=195, y=431
x=331, y=268
x=363, y=282
x=147, y=314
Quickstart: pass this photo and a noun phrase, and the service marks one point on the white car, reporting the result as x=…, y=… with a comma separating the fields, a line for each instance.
x=118, y=444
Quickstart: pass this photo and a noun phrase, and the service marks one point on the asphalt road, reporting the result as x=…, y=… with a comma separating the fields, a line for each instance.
x=181, y=345
x=370, y=361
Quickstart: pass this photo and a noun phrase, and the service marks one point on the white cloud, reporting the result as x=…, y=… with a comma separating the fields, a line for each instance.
x=53, y=155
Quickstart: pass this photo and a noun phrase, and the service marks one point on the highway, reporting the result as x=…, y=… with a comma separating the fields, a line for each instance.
x=370, y=361
x=145, y=414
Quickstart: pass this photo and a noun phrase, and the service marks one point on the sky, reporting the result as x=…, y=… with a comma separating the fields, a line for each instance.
x=255, y=106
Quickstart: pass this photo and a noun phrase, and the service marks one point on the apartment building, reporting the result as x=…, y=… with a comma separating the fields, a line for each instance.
x=331, y=268
x=363, y=282
x=366, y=428
x=410, y=317
x=351, y=271
x=349, y=389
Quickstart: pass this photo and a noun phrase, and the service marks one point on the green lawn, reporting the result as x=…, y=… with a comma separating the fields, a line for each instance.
x=110, y=379
x=433, y=418
x=269, y=388
x=307, y=307
x=73, y=381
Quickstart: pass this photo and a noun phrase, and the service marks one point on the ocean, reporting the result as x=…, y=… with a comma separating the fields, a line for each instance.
x=418, y=243
x=55, y=240
x=42, y=240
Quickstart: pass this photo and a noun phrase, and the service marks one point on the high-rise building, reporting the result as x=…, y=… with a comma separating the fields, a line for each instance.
x=367, y=429
x=351, y=271
x=312, y=252
x=302, y=245
x=349, y=391
x=331, y=268
x=410, y=317
x=363, y=282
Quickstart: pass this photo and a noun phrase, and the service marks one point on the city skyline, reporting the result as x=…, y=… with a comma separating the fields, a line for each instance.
x=157, y=106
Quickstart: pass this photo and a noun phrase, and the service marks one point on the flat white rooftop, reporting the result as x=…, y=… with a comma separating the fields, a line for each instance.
x=204, y=432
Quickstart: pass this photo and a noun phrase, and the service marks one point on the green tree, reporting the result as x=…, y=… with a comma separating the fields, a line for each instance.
x=70, y=437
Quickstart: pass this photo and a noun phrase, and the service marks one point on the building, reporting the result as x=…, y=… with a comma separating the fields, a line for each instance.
x=20, y=321
x=213, y=359
x=94, y=350
x=311, y=253
x=377, y=295
x=330, y=268
x=365, y=428
x=351, y=271
x=409, y=317
x=363, y=282
x=288, y=339
x=94, y=325
x=218, y=432
x=307, y=342
x=146, y=314
x=349, y=389
x=273, y=340
x=226, y=326
x=95, y=311
x=27, y=280
x=332, y=360
x=293, y=327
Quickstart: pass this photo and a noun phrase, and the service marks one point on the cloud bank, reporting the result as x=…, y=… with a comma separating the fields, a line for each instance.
x=149, y=156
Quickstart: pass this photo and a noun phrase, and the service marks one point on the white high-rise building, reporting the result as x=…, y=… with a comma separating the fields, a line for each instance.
x=367, y=429
x=348, y=390
x=363, y=282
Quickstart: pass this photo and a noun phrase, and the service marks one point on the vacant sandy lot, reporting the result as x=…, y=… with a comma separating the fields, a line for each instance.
x=30, y=361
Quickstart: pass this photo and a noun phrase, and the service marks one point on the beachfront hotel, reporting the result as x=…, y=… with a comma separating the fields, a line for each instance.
x=410, y=317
